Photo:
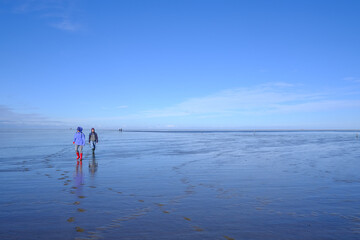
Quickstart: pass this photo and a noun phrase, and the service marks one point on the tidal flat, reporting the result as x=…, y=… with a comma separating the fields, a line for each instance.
x=180, y=185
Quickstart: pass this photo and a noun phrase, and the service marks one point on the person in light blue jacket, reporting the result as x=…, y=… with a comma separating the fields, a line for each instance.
x=79, y=141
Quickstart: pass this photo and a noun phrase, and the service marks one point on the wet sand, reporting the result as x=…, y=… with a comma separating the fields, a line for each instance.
x=190, y=185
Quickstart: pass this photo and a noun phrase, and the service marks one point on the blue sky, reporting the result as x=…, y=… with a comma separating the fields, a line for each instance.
x=180, y=64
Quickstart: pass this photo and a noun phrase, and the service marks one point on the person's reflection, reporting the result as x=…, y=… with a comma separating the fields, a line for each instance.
x=79, y=180
x=93, y=166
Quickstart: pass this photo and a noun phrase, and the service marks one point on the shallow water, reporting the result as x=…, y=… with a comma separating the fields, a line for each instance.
x=180, y=185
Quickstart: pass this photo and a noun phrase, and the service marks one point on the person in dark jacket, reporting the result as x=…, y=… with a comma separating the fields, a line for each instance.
x=79, y=141
x=93, y=139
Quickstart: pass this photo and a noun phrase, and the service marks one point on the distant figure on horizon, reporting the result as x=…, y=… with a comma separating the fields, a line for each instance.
x=79, y=141
x=93, y=138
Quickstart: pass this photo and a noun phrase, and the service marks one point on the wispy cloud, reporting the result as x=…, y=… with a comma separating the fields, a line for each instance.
x=66, y=25
x=58, y=13
x=112, y=108
x=9, y=117
x=121, y=107
x=242, y=105
x=352, y=79
x=262, y=99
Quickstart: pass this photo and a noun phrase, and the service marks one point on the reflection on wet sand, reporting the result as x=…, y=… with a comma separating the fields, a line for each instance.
x=93, y=165
x=78, y=180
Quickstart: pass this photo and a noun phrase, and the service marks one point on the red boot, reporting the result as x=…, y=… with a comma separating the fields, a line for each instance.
x=77, y=154
x=80, y=156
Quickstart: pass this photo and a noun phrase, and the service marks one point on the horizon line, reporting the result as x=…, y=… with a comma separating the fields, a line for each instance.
x=201, y=130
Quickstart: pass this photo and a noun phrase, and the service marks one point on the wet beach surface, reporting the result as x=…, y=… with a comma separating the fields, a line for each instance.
x=187, y=185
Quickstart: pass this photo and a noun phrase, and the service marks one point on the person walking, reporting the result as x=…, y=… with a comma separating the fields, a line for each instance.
x=79, y=141
x=93, y=138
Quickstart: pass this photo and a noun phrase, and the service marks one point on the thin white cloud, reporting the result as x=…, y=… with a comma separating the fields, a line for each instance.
x=9, y=117
x=352, y=79
x=66, y=25
x=58, y=13
x=275, y=99
x=318, y=106
x=111, y=108
x=121, y=107
x=26, y=6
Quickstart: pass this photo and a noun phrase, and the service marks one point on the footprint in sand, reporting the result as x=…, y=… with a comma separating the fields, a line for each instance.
x=198, y=229
x=81, y=210
x=81, y=196
x=76, y=203
x=166, y=211
x=229, y=238
x=71, y=219
x=187, y=219
x=79, y=229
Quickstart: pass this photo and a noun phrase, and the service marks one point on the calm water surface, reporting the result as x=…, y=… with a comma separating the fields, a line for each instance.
x=187, y=185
